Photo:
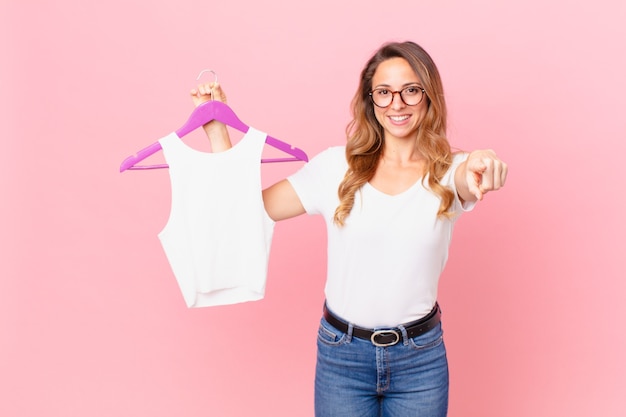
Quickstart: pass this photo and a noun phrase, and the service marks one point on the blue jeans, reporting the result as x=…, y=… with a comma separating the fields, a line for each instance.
x=354, y=378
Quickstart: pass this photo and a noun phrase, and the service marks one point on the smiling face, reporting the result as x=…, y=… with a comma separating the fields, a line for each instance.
x=399, y=120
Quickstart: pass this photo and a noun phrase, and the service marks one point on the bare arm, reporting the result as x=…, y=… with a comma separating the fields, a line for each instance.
x=281, y=201
x=482, y=172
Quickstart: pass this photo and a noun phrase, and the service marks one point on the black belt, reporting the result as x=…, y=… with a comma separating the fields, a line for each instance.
x=387, y=337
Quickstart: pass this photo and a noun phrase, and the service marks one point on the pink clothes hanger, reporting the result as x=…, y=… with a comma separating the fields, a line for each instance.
x=204, y=113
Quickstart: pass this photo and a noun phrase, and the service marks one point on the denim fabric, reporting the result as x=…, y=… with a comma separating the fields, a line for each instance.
x=354, y=378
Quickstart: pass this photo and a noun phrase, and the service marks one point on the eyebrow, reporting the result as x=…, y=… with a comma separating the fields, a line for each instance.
x=403, y=85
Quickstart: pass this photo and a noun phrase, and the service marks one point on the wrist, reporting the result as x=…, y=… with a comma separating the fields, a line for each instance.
x=218, y=136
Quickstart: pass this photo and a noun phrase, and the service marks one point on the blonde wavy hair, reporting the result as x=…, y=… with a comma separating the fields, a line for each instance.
x=366, y=136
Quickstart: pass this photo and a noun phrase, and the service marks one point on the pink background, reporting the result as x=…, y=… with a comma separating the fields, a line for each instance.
x=92, y=322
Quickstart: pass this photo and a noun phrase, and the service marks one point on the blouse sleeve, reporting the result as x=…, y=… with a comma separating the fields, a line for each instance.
x=448, y=180
x=317, y=182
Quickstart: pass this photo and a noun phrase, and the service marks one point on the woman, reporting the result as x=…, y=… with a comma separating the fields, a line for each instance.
x=390, y=199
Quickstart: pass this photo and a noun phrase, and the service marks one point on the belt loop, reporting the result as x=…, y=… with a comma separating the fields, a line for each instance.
x=405, y=336
x=349, y=332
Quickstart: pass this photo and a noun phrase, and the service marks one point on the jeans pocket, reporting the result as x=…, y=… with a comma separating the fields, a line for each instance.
x=328, y=335
x=430, y=339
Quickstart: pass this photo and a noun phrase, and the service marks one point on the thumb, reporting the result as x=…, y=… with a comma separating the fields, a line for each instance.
x=218, y=93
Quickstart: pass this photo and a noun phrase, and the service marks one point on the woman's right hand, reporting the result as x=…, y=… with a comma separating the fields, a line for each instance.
x=215, y=131
x=205, y=92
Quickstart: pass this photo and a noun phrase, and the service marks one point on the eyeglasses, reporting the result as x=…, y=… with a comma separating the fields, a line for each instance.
x=411, y=96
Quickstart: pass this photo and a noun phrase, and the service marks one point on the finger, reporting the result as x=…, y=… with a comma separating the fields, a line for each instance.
x=473, y=184
x=487, y=176
x=497, y=175
x=503, y=174
x=217, y=92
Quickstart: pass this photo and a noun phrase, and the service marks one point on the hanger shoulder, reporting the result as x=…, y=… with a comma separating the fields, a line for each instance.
x=297, y=153
x=216, y=110
x=208, y=111
x=129, y=163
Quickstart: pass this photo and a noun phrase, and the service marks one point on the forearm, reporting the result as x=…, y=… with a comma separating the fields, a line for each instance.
x=460, y=182
x=218, y=136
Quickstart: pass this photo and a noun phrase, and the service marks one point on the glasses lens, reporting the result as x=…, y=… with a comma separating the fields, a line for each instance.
x=382, y=97
x=411, y=95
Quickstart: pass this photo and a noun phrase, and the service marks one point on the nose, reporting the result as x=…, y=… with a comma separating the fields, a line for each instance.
x=399, y=103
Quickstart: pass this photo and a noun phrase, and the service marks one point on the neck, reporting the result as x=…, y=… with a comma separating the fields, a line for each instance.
x=401, y=152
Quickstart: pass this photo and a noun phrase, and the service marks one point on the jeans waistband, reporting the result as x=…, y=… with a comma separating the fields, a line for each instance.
x=387, y=337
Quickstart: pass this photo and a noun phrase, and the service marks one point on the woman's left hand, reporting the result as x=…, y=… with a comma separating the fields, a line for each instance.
x=484, y=172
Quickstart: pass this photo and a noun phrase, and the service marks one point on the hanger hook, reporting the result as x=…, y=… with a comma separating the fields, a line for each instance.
x=214, y=80
x=208, y=70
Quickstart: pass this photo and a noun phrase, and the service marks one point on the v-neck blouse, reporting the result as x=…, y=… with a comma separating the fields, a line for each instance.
x=384, y=264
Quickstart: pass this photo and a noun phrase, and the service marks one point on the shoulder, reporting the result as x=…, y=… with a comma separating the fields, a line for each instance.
x=336, y=153
x=459, y=157
x=316, y=182
x=327, y=167
x=332, y=159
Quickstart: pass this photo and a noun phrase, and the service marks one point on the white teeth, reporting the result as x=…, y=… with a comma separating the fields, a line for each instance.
x=398, y=118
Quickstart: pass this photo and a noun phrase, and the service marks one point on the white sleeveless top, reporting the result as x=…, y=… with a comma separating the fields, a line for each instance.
x=218, y=235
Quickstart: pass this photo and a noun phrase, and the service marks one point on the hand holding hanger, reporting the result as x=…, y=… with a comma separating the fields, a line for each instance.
x=207, y=92
x=215, y=130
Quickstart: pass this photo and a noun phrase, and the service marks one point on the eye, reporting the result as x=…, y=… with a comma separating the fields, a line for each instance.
x=412, y=90
x=381, y=92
